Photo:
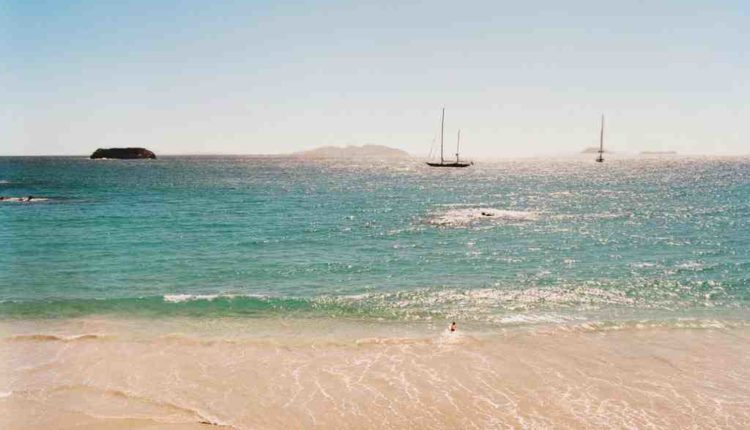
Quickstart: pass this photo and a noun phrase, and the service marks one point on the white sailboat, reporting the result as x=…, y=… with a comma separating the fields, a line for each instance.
x=443, y=162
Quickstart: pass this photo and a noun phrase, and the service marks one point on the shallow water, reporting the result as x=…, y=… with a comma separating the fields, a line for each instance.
x=250, y=236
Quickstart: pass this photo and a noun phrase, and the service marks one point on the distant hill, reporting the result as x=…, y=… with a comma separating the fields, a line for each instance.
x=365, y=151
x=593, y=150
x=659, y=153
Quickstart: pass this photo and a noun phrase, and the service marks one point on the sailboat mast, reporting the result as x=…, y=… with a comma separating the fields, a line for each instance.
x=442, y=128
x=458, y=142
x=601, y=139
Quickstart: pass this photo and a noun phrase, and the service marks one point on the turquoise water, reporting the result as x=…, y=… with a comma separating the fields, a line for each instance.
x=245, y=236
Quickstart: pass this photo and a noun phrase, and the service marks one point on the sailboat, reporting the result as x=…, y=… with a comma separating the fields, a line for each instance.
x=443, y=162
x=600, y=158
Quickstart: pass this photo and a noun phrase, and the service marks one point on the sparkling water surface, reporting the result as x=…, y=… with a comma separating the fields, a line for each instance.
x=510, y=241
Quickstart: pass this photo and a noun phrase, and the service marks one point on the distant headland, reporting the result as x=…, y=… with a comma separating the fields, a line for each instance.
x=123, y=153
x=365, y=151
x=593, y=150
x=659, y=153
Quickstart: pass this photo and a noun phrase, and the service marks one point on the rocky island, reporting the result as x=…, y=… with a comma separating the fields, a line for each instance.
x=123, y=153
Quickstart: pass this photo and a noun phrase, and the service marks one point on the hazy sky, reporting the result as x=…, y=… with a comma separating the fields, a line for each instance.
x=518, y=77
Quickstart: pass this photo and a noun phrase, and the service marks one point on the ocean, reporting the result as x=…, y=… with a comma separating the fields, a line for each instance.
x=278, y=292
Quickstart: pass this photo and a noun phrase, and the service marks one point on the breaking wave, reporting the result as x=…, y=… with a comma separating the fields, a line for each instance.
x=503, y=305
x=180, y=298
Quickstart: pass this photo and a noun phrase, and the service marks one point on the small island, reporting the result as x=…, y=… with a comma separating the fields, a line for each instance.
x=123, y=153
x=355, y=152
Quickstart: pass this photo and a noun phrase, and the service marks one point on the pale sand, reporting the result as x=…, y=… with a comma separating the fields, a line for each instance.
x=282, y=374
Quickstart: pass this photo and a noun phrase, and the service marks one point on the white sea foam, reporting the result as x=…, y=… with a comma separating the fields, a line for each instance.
x=180, y=298
x=642, y=265
x=690, y=265
x=678, y=323
x=519, y=319
x=490, y=304
x=467, y=216
x=23, y=199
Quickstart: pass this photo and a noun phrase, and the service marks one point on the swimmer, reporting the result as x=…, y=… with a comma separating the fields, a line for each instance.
x=453, y=326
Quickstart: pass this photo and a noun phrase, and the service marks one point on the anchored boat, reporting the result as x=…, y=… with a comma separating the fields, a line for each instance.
x=600, y=158
x=443, y=162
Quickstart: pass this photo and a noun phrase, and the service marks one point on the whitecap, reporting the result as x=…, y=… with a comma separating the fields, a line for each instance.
x=180, y=298
x=643, y=265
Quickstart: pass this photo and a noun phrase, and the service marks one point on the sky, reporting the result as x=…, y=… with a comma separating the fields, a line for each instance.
x=262, y=77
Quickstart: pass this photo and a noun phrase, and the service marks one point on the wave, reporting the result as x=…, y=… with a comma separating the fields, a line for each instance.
x=169, y=305
x=503, y=305
x=426, y=335
x=40, y=337
x=171, y=412
x=467, y=216
x=180, y=298
x=445, y=337
x=653, y=324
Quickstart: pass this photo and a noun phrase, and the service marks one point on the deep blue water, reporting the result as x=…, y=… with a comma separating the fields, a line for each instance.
x=248, y=235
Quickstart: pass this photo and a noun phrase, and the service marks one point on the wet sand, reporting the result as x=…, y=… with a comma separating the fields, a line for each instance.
x=335, y=374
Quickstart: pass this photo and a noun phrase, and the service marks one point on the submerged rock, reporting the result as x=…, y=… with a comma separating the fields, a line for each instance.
x=123, y=153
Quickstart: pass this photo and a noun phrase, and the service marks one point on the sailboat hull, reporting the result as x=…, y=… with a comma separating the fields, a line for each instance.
x=455, y=164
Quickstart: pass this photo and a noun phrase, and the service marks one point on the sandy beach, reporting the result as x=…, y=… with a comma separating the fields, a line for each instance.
x=285, y=373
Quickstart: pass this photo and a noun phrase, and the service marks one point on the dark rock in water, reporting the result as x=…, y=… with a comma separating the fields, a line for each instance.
x=123, y=153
